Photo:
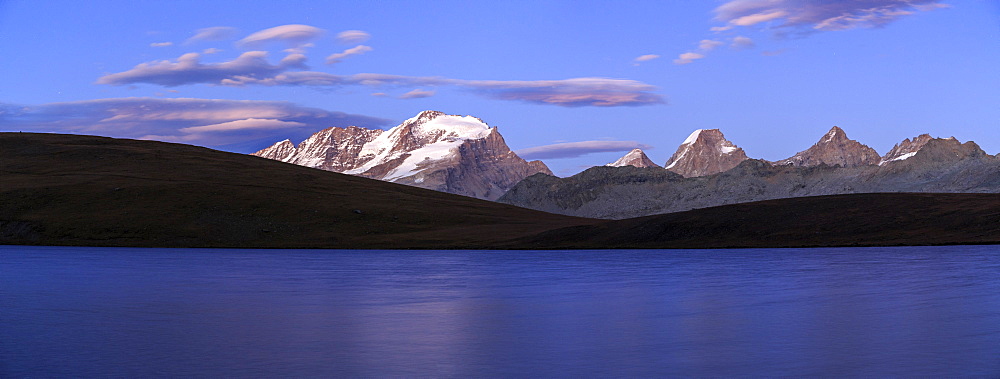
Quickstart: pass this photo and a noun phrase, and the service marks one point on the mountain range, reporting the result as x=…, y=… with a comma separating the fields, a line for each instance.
x=78, y=190
x=463, y=155
x=707, y=170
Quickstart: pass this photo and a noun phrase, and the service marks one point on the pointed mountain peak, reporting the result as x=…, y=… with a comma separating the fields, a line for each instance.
x=834, y=149
x=705, y=152
x=835, y=134
x=636, y=158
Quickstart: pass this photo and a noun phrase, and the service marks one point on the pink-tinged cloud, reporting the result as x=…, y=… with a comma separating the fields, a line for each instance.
x=357, y=50
x=576, y=92
x=244, y=124
x=215, y=33
x=708, y=45
x=741, y=42
x=252, y=68
x=188, y=69
x=294, y=35
x=647, y=57
x=352, y=36
x=417, y=94
x=820, y=15
x=576, y=149
x=688, y=58
x=757, y=18
x=207, y=122
x=161, y=44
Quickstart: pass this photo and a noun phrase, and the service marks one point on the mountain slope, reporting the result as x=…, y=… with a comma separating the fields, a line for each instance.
x=96, y=191
x=448, y=153
x=705, y=152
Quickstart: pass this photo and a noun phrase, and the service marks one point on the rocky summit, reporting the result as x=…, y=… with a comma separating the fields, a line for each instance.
x=635, y=158
x=834, y=149
x=448, y=153
x=705, y=152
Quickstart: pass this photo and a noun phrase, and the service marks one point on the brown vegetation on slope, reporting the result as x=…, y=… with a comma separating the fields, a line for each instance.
x=875, y=219
x=96, y=191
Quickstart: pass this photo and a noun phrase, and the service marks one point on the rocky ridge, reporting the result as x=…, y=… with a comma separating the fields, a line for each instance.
x=942, y=165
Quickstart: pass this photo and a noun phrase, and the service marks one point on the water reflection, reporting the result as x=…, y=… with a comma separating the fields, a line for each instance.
x=831, y=312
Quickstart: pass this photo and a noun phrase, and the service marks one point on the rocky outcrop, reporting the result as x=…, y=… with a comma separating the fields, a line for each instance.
x=635, y=158
x=705, y=152
x=906, y=149
x=449, y=153
x=834, y=149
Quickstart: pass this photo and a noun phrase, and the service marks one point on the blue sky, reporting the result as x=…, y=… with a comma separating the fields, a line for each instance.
x=578, y=82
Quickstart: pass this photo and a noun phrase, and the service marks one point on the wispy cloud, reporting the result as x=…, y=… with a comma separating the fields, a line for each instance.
x=576, y=149
x=709, y=45
x=645, y=58
x=188, y=69
x=352, y=36
x=294, y=35
x=820, y=15
x=687, y=58
x=252, y=68
x=357, y=50
x=207, y=122
x=804, y=17
x=161, y=44
x=576, y=92
x=741, y=42
x=417, y=94
x=215, y=33
x=244, y=124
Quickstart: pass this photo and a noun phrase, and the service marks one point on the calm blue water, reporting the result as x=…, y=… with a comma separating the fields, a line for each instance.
x=923, y=311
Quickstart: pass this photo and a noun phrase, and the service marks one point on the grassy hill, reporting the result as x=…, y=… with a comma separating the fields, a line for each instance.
x=95, y=191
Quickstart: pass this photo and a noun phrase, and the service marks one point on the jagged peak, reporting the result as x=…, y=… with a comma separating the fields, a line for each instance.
x=908, y=148
x=835, y=133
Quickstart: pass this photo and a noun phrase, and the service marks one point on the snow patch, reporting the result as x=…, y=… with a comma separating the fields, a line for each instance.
x=693, y=137
x=904, y=156
x=726, y=149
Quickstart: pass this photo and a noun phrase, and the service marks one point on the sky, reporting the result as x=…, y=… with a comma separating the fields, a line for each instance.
x=574, y=83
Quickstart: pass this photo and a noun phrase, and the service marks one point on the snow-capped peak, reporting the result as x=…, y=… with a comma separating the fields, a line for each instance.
x=464, y=127
x=636, y=158
x=430, y=136
x=704, y=152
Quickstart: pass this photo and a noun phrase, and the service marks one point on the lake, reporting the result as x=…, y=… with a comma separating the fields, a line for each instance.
x=124, y=312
